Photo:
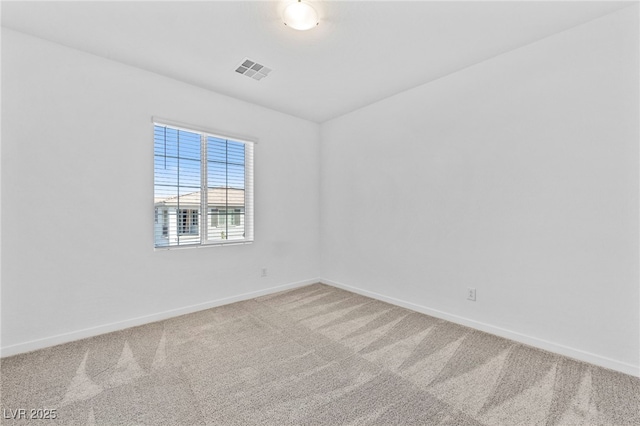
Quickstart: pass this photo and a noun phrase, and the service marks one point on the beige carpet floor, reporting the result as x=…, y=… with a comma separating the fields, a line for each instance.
x=316, y=355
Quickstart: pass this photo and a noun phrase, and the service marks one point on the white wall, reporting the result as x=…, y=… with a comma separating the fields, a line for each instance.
x=77, y=197
x=517, y=176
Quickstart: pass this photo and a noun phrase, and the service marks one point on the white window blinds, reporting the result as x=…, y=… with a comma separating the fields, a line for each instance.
x=203, y=188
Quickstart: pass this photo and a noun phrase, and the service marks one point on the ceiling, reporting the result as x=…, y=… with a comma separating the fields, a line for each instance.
x=360, y=53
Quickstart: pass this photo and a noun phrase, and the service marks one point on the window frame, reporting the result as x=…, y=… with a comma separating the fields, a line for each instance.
x=203, y=222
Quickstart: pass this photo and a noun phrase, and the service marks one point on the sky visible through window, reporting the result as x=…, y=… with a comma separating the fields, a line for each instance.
x=177, y=167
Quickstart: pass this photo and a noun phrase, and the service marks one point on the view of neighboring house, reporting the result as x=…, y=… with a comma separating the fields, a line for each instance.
x=178, y=219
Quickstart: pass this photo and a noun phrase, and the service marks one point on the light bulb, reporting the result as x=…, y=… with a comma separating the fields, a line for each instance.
x=300, y=16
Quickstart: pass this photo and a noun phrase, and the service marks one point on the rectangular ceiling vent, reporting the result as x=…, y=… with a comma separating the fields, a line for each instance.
x=253, y=69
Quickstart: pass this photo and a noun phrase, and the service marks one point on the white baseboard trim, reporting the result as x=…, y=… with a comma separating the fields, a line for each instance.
x=612, y=364
x=146, y=319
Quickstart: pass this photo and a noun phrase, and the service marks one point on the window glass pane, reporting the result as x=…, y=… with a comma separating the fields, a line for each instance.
x=189, y=173
x=235, y=153
x=165, y=222
x=178, y=187
x=188, y=220
x=165, y=142
x=225, y=182
x=166, y=171
x=188, y=145
x=216, y=149
x=216, y=175
x=213, y=217
x=235, y=176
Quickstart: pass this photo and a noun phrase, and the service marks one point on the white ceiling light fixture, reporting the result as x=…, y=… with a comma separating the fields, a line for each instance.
x=300, y=16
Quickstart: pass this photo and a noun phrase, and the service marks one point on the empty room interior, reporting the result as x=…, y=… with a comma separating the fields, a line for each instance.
x=320, y=212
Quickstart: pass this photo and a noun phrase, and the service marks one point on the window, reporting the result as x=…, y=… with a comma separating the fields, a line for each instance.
x=214, y=217
x=188, y=222
x=165, y=223
x=197, y=171
x=235, y=217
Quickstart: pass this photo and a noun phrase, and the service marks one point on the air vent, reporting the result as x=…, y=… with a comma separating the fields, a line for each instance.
x=253, y=69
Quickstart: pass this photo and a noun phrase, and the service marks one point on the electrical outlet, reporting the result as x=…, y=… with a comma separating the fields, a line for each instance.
x=471, y=294
x=264, y=272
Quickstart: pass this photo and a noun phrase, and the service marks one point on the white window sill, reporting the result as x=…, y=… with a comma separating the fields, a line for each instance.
x=199, y=246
